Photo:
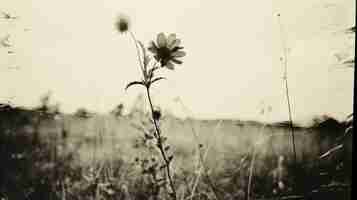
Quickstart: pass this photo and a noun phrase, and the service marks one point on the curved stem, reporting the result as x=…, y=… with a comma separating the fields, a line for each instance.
x=137, y=51
x=160, y=146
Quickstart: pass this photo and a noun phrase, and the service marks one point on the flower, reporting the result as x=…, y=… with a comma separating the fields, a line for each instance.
x=122, y=24
x=166, y=50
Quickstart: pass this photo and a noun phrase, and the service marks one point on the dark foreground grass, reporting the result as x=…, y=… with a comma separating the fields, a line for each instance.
x=54, y=166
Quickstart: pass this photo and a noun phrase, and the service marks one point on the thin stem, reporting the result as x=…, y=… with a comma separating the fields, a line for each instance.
x=252, y=164
x=158, y=134
x=160, y=146
x=204, y=168
x=137, y=51
x=287, y=87
x=201, y=159
x=251, y=173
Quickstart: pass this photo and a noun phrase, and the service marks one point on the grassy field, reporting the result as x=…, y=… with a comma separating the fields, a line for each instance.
x=102, y=157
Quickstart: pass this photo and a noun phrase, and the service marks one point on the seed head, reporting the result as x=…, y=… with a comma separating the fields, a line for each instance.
x=157, y=114
x=122, y=24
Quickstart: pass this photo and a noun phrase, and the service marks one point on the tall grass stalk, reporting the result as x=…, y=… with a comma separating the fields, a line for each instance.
x=201, y=158
x=285, y=77
x=202, y=167
x=251, y=169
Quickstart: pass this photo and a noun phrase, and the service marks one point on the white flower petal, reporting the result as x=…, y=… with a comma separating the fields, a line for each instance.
x=170, y=65
x=175, y=43
x=179, y=62
x=178, y=54
x=171, y=39
x=161, y=40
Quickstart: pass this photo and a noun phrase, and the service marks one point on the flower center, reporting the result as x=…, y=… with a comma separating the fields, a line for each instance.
x=164, y=53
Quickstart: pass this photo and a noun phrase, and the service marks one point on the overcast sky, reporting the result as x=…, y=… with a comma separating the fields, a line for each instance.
x=231, y=69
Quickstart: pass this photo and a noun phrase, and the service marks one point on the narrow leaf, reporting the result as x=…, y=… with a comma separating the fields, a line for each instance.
x=134, y=83
x=157, y=79
x=331, y=151
x=167, y=148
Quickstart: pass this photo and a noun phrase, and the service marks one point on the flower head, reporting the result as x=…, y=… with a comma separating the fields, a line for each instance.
x=122, y=24
x=166, y=50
